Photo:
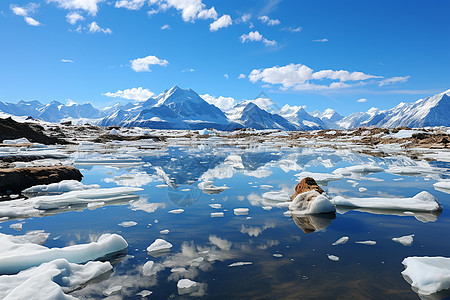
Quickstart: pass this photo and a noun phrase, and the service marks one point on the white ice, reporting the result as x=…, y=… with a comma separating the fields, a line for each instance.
x=165, y=231
x=176, y=211
x=16, y=141
x=217, y=215
x=186, y=286
x=240, y=211
x=60, y=187
x=405, y=240
x=311, y=202
x=208, y=187
x=427, y=275
x=50, y=280
x=159, y=245
x=276, y=196
x=341, y=241
x=20, y=256
x=127, y=224
x=216, y=205
x=321, y=178
x=369, y=243
x=240, y=263
x=443, y=186
x=423, y=201
x=333, y=257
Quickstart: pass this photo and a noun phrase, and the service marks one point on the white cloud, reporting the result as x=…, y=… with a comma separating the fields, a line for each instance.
x=25, y=11
x=263, y=103
x=222, y=22
x=74, y=17
x=67, y=61
x=31, y=21
x=138, y=94
x=245, y=18
x=191, y=10
x=91, y=6
x=142, y=64
x=164, y=27
x=255, y=36
x=394, y=80
x=321, y=40
x=294, y=29
x=130, y=4
x=226, y=76
x=152, y=12
x=224, y=103
x=93, y=28
x=188, y=70
x=299, y=77
x=269, y=21
x=362, y=100
x=241, y=76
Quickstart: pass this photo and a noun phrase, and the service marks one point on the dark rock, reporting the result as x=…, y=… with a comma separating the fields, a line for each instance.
x=306, y=184
x=10, y=130
x=13, y=181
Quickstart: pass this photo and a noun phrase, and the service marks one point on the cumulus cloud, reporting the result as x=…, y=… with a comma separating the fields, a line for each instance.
x=91, y=6
x=138, y=94
x=25, y=11
x=394, y=80
x=74, y=17
x=269, y=21
x=241, y=76
x=245, y=18
x=255, y=36
x=222, y=22
x=321, y=40
x=299, y=77
x=143, y=64
x=165, y=27
x=130, y=4
x=191, y=10
x=93, y=28
x=362, y=100
x=224, y=103
x=66, y=61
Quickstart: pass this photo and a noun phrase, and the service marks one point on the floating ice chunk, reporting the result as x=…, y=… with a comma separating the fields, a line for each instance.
x=267, y=208
x=165, y=231
x=159, y=245
x=278, y=255
x=443, y=186
x=84, y=197
x=112, y=290
x=362, y=189
x=143, y=205
x=240, y=211
x=240, y=263
x=50, y=280
x=144, y=293
x=95, y=204
x=342, y=171
x=59, y=187
x=365, y=169
x=427, y=275
x=216, y=205
x=186, y=286
x=127, y=224
x=423, y=201
x=370, y=243
x=405, y=240
x=161, y=186
x=16, y=141
x=147, y=269
x=217, y=215
x=311, y=202
x=341, y=241
x=16, y=226
x=20, y=256
x=321, y=178
x=34, y=237
x=204, y=132
x=333, y=257
x=176, y=211
x=278, y=196
x=178, y=270
x=208, y=187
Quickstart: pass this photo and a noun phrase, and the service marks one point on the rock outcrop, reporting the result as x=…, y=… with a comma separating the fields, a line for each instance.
x=13, y=181
x=309, y=198
x=306, y=184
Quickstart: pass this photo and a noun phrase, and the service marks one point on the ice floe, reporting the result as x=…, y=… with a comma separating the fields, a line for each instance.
x=217, y=215
x=186, y=286
x=341, y=241
x=240, y=263
x=50, y=280
x=20, y=256
x=427, y=275
x=159, y=245
x=208, y=187
x=405, y=240
x=423, y=201
x=59, y=187
x=321, y=178
x=443, y=186
x=311, y=202
x=176, y=211
x=333, y=257
x=165, y=231
x=127, y=224
x=216, y=205
x=240, y=211
x=369, y=243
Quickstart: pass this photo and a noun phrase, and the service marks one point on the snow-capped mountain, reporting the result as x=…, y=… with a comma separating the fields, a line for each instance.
x=361, y=119
x=172, y=109
x=329, y=117
x=249, y=115
x=298, y=116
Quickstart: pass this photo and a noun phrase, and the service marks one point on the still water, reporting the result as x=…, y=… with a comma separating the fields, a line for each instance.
x=280, y=257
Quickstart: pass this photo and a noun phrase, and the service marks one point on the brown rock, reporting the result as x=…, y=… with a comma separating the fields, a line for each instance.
x=13, y=181
x=306, y=184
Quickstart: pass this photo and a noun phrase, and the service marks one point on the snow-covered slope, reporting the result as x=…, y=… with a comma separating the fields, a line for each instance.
x=298, y=116
x=369, y=118
x=329, y=117
x=249, y=115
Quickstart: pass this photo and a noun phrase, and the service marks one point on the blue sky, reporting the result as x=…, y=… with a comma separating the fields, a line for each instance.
x=347, y=55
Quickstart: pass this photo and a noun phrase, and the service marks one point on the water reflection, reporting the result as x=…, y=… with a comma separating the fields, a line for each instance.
x=310, y=223
x=423, y=217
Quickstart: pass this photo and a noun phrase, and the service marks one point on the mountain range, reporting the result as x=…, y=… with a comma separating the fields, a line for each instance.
x=177, y=108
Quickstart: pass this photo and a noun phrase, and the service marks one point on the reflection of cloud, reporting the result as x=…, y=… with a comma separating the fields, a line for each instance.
x=255, y=230
x=132, y=179
x=221, y=243
x=268, y=244
x=142, y=204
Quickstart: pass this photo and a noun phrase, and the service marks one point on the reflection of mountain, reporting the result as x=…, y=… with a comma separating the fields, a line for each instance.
x=254, y=160
x=311, y=223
